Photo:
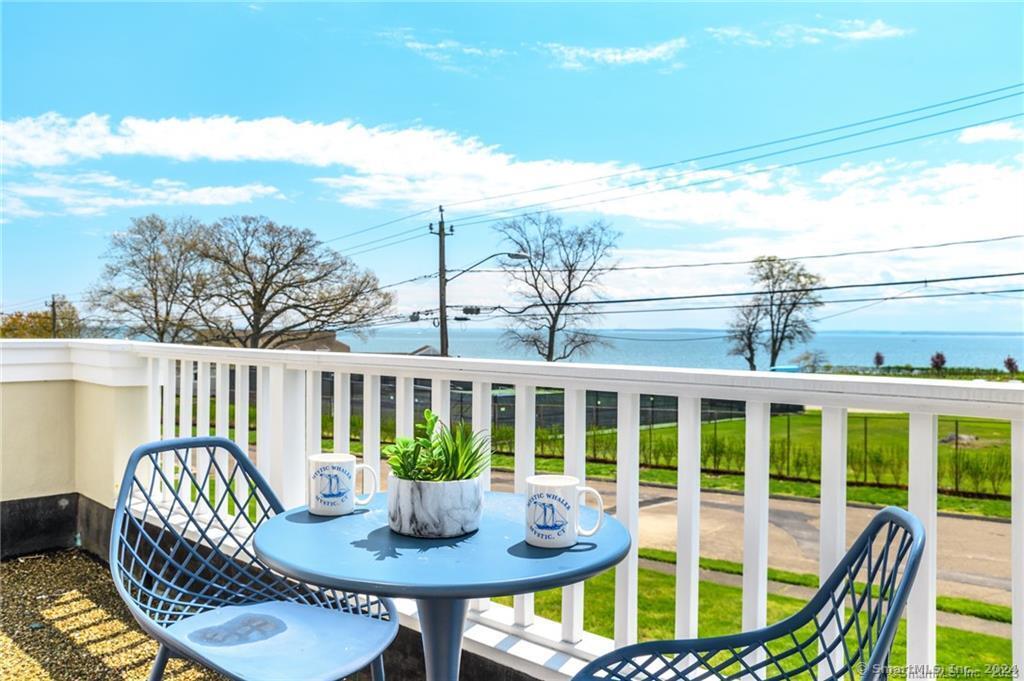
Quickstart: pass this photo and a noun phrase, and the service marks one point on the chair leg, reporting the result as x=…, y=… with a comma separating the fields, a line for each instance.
x=157, y=672
x=377, y=669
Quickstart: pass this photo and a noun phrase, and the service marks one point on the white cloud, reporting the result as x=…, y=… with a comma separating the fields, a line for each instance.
x=95, y=193
x=1004, y=131
x=413, y=167
x=737, y=36
x=575, y=57
x=788, y=35
x=445, y=52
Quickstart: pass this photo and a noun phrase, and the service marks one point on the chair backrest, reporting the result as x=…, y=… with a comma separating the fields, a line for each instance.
x=847, y=629
x=844, y=632
x=181, y=540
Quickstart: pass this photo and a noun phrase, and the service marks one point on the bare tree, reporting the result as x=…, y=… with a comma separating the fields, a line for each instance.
x=812, y=361
x=266, y=284
x=786, y=297
x=562, y=263
x=147, y=286
x=745, y=334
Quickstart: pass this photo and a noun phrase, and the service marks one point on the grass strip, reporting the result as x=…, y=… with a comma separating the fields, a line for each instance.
x=965, y=654
x=951, y=604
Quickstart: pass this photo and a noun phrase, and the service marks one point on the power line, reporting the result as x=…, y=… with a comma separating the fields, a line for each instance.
x=877, y=302
x=736, y=150
x=386, y=238
x=818, y=256
x=393, y=243
x=733, y=176
x=758, y=305
x=378, y=226
x=809, y=289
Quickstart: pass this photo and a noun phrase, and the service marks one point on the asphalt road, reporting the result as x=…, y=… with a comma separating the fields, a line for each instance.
x=973, y=554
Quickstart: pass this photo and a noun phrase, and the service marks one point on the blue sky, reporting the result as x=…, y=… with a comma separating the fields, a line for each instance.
x=340, y=117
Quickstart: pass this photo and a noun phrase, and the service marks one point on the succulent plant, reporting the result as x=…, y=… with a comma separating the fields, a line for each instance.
x=439, y=452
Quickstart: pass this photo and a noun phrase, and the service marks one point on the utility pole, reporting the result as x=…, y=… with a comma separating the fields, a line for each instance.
x=442, y=280
x=53, y=315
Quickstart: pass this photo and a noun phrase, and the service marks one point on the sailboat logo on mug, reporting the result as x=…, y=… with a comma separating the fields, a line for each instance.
x=548, y=516
x=335, y=484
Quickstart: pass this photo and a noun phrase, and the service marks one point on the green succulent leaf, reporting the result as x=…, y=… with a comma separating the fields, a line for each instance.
x=439, y=452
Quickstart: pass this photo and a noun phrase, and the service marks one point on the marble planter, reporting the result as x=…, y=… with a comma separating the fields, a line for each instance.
x=434, y=509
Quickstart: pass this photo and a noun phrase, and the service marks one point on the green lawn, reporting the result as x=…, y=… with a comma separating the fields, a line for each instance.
x=878, y=496
x=877, y=451
x=721, y=613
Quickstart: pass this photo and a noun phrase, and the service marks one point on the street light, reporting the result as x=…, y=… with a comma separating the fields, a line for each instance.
x=443, y=297
x=510, y=256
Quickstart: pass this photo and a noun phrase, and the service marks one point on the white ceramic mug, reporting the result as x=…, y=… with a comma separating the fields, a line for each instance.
x=552, y=511
x=331, y=483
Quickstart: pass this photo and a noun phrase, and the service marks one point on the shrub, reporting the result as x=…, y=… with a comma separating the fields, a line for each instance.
x=996, y=469
x=879, y=360
x=938, y=361
x=1011, y=365
x=876, y=465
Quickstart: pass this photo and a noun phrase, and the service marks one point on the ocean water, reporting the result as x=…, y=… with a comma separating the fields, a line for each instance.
x=700, y=348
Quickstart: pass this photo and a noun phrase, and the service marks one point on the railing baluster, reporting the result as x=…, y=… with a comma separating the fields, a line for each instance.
x=525, y=449
x=263, y=458
x=222, y=399
x=153, y=392
x=185, y=414
x=203, y=399
x=342, y=412
x=755, y=515
x=185, y=405
x=832, y=536
x=286, y=434
x=242, y=407
x=627, y=510
x=238, y=480
x=275, y=428
x=167, y=459
x=1017, y=533
x=371, y=422
x=688, y=517
x=923, y=502
x=153, y=398
x=482, y=424
x=314, y=423
x=404, y=416
x=222, y=425
x=575, y=454
x=202, y=419
x=441, y=399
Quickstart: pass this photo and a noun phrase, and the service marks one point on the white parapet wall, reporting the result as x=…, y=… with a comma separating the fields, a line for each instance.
x=69, y=418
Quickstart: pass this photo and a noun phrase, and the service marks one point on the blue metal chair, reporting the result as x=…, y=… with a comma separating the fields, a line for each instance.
x=182, y=560
x=844, y=632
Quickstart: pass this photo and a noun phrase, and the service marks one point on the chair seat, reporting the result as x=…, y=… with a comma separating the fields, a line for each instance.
x=282, y=641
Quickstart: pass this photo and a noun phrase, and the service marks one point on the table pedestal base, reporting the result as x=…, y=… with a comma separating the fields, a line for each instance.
x=442, y=621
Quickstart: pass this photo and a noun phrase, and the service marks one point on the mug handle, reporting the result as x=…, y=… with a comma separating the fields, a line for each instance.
x=580, y=493
x=367, y=470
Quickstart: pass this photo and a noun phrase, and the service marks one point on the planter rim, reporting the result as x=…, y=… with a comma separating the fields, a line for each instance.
x=433, y=482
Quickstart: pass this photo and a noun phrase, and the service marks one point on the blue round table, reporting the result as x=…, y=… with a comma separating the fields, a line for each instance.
x=358, y=552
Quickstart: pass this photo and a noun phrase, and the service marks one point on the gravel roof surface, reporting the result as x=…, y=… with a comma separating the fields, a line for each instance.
x=60, y=618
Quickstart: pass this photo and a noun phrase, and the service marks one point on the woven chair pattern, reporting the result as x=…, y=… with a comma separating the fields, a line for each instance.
x=844, y=632
x=182, y=537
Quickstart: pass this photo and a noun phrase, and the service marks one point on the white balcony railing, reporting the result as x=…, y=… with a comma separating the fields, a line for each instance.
x=288, y=423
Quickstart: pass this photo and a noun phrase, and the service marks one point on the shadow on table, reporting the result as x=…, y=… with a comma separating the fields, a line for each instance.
x=384, y=543
x=524, y=550
x=307, y=518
